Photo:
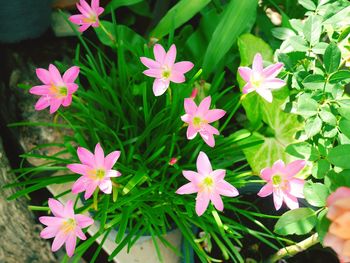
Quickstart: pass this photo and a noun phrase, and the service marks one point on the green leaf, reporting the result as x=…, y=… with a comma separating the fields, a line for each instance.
x=344, y=126
x=320, y=48
x=340, y=156
x=320, y=169
x=328, y=117
x=302, y=150
x=316, y=194
x=312, y=29
x=297, y=221
x=331, y=58
x=313, y=126
x=308, y=4
x=179, y=14
x=322, y=224
x=282, y=33
x=114, y=4
x=307, y=106
x=314, y=82
x=108, y=40
x=341, y=75
x=138, y=178
x=238, y=15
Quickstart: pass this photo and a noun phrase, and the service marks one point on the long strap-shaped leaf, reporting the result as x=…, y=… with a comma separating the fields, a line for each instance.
x=183, y=11
x=237, y=18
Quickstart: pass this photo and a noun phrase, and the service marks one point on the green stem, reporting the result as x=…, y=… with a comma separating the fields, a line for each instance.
x=38, y=208
x=230, y=116
x=295, y=249
x=111, y=37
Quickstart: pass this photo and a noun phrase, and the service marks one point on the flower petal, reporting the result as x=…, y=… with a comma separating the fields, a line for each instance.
x=49, y=232
x=160, y=86
x=67, y=101
x=272, y=84
x=245, y=73
x=150, y=63
x=293, y=168
x=183, y=66
x=170, y=56
x=69, y=209
x=265, y=93
x=226, y=189
x=70, y=244
x=340, y=193
x=83, y=220
x=257, y=63
x=55, y=104
x=159, y=53
x=297, y=187
x=90, y=190
x=203, y=164
x=39, y=90
x=79, y=233
x=55, y=75
x=190, y=175
x=86, y=157
x=202, y=202
x=218, y=174
x=217, y=201
x=56, y=207
x=186, y=118
x=76, y=19
x=266, y=190
x=214, y=115
x=277, y=199
x=58, y=241
x=291, y=201
x=80, y=184
x=71, y=74
x=191, y=132
x=112, y=173
x=208, y=138
x=190, y=106
x=43, y=75
x=188, y=188
x=272, y=70
x=210, y=129
x=248, y=88
x=177, y=77
x=266, y=174
x=42, y=103
x=106, y=186
x=50, y=220
x=78, y=168
x=95, y=4
x=203, y=107
x=111, y=159
x=153, y=73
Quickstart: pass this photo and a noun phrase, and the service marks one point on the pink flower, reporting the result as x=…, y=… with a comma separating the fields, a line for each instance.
x=173, y=161
x=208, y=184
x=198, y=119
x=164, y=69
x=96, y=171
x=56, y=90
x=89, y=15
x=65, y=226
x=262, y=80
x=338, y=236
x=281, y=182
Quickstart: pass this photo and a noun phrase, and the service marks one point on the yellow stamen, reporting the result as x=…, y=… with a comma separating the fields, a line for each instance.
x=69, y=225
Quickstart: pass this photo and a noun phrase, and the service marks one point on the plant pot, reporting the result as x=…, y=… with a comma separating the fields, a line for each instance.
x=23, y=19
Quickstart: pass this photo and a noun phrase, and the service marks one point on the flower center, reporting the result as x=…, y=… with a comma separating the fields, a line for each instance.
x=61, y=91
x=256, y=80
x=208, y=181
x=96, y=174
x=91, y=19
x=69, y=225
x=197, y=121
x=100, y=173
x=276, y=180
x=166, y=74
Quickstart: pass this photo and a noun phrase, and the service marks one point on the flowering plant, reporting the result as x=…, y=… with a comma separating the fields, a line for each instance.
x=148, y=161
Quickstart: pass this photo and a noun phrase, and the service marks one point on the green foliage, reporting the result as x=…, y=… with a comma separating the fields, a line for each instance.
x=299, y=221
